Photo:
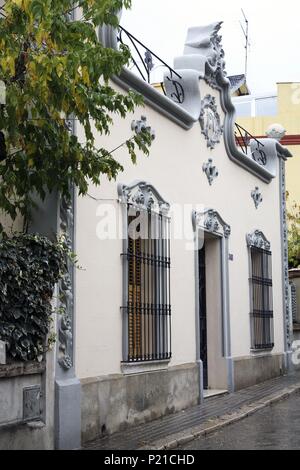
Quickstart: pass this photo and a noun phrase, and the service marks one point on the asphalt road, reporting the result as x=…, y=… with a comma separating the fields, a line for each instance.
x=275, y=427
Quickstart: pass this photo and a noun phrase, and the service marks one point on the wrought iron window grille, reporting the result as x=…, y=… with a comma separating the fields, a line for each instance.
x=262, y=318
x=243, y=139
x=147, y=314
x=144, y=64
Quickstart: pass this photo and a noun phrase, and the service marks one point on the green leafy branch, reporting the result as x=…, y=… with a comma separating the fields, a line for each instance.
x=53, y=68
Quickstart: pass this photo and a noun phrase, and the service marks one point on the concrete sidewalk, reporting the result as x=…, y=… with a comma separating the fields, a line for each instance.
x=178, y=429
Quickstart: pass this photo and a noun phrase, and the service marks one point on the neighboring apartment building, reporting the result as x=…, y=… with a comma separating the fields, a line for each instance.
x=199, y=305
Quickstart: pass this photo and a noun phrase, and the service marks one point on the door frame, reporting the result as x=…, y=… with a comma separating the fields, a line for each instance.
x=210, y=221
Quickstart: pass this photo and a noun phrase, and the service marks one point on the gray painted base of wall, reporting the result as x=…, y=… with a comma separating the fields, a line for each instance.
x=113, y=403
x=256, y=369
x=67, y=414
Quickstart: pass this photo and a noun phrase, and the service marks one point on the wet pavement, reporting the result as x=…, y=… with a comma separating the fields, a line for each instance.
x=275, y=427
x=214, y=411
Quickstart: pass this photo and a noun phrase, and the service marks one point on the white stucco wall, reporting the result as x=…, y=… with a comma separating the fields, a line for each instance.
x=175, y=169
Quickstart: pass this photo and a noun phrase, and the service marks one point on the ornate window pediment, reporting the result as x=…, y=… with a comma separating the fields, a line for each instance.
x=257, y=239
x=143, y=195
x=211, y=221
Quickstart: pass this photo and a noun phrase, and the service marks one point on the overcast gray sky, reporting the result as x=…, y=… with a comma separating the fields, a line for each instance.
x=274, y=34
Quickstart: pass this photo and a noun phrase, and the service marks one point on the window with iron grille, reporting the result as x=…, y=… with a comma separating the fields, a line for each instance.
x=262, y=327
x=148, y=310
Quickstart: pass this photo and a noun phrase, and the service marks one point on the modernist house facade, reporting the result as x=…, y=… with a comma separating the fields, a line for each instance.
x=158, y=322
x=198, y=301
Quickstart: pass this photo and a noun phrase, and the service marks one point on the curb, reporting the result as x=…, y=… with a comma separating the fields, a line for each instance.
x=180, y=439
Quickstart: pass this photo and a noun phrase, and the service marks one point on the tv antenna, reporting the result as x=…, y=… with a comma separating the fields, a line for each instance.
x=245, y=29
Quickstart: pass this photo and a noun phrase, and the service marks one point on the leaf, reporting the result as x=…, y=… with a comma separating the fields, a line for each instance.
x=55, y=69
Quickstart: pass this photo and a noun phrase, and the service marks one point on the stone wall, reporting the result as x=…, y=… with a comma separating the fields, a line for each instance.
x=26, y=417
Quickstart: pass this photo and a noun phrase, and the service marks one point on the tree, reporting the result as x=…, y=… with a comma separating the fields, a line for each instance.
x=293, y=217
x=54, y=68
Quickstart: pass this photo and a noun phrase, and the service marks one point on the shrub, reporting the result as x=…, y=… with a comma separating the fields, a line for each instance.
x=30, y=266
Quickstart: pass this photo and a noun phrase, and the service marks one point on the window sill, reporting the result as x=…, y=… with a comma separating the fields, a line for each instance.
x=131, y=368
x=261, y=352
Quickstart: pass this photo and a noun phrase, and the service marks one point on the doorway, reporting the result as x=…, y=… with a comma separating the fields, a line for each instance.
x=211, y=329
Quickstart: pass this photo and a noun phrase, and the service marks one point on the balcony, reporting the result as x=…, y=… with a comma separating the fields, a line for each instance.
x=144, y=62
x=250, y=146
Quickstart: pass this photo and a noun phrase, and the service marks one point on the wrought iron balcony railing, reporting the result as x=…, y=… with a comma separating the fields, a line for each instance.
x=243, y=139
x=143, y=61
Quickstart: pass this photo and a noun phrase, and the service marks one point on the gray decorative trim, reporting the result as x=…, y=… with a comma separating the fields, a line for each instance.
x=211, y=171
x=288, y=327
x=66, y=285
x=293, y=291
x=141, y=125
x=143, y=195
x=257, y=197
x=66, y=294
x=210, y=121
x=211, y=221
x=257, y=239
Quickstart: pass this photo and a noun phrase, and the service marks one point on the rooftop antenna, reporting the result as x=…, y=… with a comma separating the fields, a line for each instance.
x=245, y=29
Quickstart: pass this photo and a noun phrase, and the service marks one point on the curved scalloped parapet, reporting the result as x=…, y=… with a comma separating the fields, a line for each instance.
x=203, y=58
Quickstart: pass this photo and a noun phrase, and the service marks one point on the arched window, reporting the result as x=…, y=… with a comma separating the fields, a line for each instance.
x=147, y=306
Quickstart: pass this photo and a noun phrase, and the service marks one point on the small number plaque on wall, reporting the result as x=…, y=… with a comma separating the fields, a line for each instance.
x=32, y=403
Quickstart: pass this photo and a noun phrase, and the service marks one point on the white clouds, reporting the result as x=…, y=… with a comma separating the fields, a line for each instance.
x=274, y=33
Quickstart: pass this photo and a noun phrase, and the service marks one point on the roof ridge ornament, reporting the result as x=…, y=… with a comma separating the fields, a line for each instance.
x=207, y=42
x=204, y=52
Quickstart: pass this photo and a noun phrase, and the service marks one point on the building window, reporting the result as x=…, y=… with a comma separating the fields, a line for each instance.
x=147, y=311
x=261, y=288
